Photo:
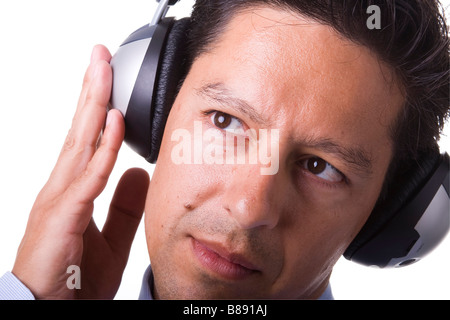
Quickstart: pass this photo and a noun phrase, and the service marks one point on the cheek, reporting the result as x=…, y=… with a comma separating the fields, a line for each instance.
x=182, y=174
x=177, y=188
x=314, y=241
x=321, y=228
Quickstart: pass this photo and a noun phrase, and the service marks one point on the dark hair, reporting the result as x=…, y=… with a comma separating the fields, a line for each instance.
x=413, y=41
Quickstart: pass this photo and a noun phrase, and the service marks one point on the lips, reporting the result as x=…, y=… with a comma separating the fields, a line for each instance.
x=219, y=260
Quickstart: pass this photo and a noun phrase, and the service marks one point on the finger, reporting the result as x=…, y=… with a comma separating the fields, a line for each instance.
x=82, y=192
x=100, y=78
x=91, y=119
x=125, y=213
x=81, y=141
x=99, y=52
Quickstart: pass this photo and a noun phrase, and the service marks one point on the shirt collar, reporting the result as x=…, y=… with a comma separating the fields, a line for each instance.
x=147, y=284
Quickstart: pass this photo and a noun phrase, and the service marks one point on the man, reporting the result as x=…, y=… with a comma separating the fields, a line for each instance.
x=342, y=107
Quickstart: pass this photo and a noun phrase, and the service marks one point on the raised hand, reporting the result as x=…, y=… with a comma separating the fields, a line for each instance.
x=60, y=230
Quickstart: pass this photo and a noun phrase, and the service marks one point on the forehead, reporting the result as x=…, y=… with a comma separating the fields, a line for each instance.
x=297, y=70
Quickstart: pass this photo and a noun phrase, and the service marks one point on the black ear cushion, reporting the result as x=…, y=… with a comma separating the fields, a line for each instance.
x=173, y=68
x=405, y=186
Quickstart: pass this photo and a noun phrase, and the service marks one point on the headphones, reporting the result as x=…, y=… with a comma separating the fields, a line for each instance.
x=148, y=69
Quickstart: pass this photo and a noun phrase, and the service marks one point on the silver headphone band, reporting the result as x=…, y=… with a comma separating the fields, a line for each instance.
x=161, y=12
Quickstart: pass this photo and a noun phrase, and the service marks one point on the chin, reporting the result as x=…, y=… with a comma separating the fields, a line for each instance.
x=204, y=288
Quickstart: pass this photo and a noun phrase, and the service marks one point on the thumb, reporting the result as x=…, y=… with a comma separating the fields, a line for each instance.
x=125, y=212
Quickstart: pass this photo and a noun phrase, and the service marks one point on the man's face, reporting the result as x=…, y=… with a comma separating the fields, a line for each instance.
x=229, y=231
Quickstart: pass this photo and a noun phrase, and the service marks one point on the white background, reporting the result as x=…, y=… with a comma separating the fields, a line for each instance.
x=44, y=51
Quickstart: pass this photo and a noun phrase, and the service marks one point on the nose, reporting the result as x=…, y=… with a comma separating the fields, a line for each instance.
x=253, y=199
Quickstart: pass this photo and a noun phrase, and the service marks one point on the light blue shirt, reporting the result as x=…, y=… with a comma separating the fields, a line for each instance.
x=12, y=288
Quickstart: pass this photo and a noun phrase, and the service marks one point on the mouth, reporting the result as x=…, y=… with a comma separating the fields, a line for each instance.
x=220, y=261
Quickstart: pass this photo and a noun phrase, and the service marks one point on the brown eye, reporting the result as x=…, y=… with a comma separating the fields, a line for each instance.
x=226, y=122
x=322, y=169
x=316, y=165
x=222, y=120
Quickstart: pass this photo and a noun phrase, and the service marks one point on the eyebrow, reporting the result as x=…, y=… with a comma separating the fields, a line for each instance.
x=356, y=159
x=218, y=93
